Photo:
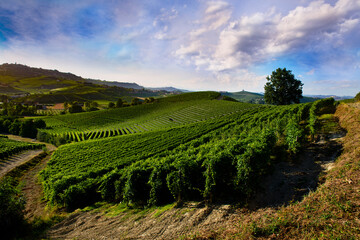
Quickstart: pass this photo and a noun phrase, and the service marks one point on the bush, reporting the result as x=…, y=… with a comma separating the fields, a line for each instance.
x=39, y=123
x=357, y=97
x=12, y=206
x=293, y=136
x=75, y=108
x=81, y=194
x=318, y=108
x=28, y=129
x=15, y=127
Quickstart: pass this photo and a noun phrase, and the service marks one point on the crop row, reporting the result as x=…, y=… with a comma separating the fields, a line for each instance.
x=156, y=121
x=216, y=159
x=10, y=147
x=94, y=166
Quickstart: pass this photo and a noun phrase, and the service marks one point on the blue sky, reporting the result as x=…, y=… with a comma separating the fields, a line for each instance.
x=190, y=44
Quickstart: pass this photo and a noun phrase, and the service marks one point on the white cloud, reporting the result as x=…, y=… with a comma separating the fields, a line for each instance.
x=225, y=46
x=311, y=72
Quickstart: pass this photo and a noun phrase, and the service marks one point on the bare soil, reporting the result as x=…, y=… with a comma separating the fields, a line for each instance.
x=32, y=190
x=14, y=161
x=291, y=180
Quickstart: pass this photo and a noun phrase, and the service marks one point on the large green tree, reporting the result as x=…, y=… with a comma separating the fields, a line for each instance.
x=282, y=88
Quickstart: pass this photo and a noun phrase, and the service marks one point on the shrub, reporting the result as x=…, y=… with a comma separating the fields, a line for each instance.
x=12, y=206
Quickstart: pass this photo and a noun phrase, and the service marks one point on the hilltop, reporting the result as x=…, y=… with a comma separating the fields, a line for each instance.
x=51, y=86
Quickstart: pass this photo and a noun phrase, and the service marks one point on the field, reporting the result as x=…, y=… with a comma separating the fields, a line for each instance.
x=163, y=114
x=184, y=149
x=10, y=147
x=231, y=150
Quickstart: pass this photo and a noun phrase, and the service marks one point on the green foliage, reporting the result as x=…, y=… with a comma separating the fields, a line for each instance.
x=216, y=159
x=227, y=98
x=293, y=136
x=318, y=108
x=75, y=107
x=159, y=115
x=81, y=194
x=255, y=161
x=39, y=123
x=136, y=101
x=10, y=147
x=357, y=97
x=28, y=129
x=282, y=88
x=15, y=127
x=119, y=103
x=137, y=188
x=12, y=206
x=111, y=105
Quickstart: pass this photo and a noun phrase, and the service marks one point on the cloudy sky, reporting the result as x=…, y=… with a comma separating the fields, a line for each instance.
x=189, y=44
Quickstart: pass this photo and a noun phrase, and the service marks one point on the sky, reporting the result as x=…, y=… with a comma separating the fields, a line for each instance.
x=189, y=44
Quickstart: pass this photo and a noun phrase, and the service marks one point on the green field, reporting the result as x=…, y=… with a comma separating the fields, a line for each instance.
x=164, y=113
x=10, y=147
x=221, y=157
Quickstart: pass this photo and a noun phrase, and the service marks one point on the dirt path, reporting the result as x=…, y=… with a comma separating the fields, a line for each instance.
x=291, y=180
x=49, y=146
x=17, y=159
x=33, y=193
x=171, y=224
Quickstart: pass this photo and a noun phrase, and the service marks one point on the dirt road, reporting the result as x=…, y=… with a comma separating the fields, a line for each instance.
x=22, y=157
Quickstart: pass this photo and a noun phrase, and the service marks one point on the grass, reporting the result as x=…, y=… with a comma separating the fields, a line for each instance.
x=328, y=124
x=123, y=208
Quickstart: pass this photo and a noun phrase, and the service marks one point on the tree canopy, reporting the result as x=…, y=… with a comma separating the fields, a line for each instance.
x=282, y=88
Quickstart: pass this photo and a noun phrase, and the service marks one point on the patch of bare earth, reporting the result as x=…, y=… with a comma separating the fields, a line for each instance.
x=16, y=160
x=170, y=224
x=31, y=187
x=270, y=215
x=32, y=190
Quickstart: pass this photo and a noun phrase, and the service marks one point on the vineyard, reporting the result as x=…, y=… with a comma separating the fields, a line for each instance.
x=166, y=113
x=10, y=147
x=220, y=153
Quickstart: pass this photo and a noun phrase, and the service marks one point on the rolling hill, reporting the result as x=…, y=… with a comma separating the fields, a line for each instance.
x=51, y=86
x=251, y=97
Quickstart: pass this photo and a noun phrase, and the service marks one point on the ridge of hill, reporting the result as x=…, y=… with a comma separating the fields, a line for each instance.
x=51, y=86
x=252, y=97
x=115, y=84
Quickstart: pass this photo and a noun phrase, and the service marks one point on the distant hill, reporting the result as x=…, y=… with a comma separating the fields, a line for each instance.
x=330, y=96
x=51, y=86
x=245, y=96
x=252, y=97
x=115, y=84
x=170, y=89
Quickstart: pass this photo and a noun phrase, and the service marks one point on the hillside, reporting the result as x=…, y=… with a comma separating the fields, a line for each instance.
x=164, y=113
x=327, y=211
x=193, y=166
x=251, y=97
x=245, y=96
x=52, y=86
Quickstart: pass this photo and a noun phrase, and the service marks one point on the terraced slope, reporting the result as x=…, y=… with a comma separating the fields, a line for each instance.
x=163, y=114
